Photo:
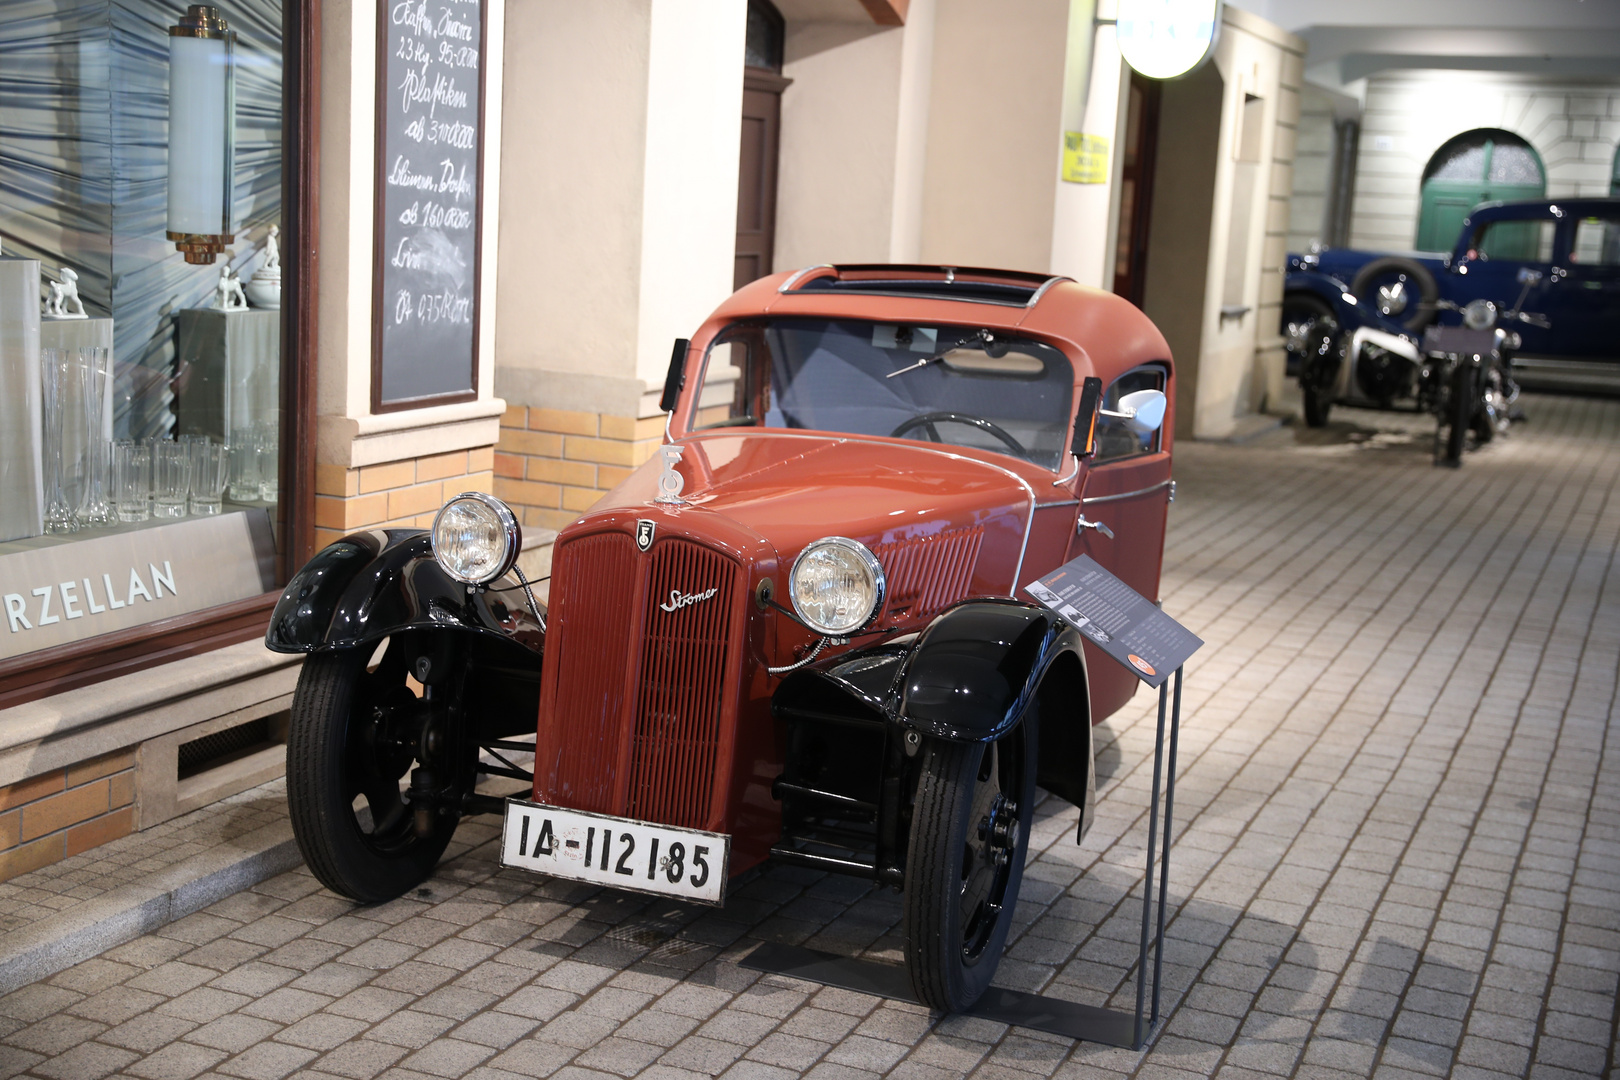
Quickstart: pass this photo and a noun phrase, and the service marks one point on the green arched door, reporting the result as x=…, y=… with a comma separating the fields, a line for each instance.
x=1483, y=165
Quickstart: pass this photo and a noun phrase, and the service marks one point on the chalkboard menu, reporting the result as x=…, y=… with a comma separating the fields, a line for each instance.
x=430, y=111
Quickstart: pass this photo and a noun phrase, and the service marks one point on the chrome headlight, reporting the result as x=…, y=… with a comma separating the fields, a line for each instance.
x=836, y=586
x=476, y=538
x=1479, y=315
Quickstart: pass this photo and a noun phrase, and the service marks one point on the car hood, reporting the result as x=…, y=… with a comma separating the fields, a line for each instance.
x=789, y=489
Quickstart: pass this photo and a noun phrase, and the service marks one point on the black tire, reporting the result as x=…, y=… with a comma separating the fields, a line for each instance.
x=1461, y=412
x=344, y=746
x=1316, y=382
x=965, y=862
x=1309, y=328
x=1393, y=268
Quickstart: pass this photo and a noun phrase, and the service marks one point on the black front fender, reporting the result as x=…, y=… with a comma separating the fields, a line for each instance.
x=970, y=677
x=371, y=584
x=975, y=669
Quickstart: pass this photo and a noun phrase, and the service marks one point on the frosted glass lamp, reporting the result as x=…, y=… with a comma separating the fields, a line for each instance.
x=202, y=133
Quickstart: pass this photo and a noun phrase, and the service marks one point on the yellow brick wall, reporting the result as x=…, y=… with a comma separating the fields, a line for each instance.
x=551, y=465
x=46, y=818
x=398, y=494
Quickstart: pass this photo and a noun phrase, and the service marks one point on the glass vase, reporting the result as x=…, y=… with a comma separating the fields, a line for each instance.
x=98, y=374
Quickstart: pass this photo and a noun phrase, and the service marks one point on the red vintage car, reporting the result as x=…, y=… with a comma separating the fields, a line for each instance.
x=800, y=633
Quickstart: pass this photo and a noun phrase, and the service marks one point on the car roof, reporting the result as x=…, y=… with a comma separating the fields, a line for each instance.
x=1103, y=333
x=1538, y=208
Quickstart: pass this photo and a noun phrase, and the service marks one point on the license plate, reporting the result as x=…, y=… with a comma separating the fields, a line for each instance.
x=625, y=854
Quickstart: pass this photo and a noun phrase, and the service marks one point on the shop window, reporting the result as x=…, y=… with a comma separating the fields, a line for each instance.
x=145, y=501
x=1483, y=165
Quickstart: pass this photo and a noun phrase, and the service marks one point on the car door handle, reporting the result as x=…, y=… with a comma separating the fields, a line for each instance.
x=1083, y=525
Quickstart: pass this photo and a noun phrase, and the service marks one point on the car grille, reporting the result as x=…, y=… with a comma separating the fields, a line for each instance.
x=641, y=691
x=929, y=574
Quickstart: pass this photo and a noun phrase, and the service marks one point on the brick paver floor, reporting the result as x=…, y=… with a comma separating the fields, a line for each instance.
x=1397, y=852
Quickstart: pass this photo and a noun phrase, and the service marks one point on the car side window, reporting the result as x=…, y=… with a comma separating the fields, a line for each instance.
x=1514, y=241
x=1597, y=242
x=733, y=393
x=1115, y=440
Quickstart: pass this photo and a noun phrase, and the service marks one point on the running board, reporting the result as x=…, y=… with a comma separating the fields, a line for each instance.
x=1533, y=371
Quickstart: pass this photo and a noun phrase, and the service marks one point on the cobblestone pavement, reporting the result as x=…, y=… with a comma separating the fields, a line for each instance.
x=30, y=899
x=1397, y=851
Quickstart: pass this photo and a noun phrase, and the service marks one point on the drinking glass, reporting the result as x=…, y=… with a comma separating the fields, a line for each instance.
x=132, y=480
x=210, y=471
x=98, y=375
x=171, y=479
x=268, y=442
x=244, y=465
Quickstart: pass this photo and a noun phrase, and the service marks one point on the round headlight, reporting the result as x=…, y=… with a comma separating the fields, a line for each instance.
x=476, y=538
x=836, y=585
x=1479, y=315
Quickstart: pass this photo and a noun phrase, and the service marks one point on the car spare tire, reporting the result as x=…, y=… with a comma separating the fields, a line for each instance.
x=1402, y=277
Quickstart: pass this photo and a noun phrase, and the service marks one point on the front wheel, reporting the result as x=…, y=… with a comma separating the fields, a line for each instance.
x=969, y=835
x=352, y=738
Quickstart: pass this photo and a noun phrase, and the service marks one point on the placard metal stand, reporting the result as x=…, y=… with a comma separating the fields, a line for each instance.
x=1055, y=1016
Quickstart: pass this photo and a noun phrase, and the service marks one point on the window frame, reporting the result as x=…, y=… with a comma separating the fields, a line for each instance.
x=1156, y=446
x=53, y=670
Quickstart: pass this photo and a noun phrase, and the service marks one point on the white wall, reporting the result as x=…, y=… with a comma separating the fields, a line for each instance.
x=623, y=126
x=346, y=432
x=1574, y=127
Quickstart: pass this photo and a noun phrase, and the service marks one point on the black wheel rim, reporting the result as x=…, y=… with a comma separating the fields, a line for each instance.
x=384, y=716
x=988, y=850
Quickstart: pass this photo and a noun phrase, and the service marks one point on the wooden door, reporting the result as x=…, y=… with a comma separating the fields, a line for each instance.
x=1136, y=187
x=756, y=174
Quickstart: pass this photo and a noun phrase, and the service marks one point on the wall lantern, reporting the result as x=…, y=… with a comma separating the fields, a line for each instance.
x=1163, y=39
x=202, y=133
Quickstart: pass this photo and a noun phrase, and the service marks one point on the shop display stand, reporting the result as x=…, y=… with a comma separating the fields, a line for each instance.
x=1111, y=1027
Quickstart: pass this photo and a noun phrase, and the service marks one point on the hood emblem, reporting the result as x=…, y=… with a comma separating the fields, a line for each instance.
x=670, y=482
x=678, y=599
x=644, y=534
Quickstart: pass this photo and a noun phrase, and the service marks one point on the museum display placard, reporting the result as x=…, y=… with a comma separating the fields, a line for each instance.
x=1117, y=619
x=430, y=113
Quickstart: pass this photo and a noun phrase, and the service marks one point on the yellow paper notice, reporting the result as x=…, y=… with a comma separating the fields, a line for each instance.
x=1085, y=158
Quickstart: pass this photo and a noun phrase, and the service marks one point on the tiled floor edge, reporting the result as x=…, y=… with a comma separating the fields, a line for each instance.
x=36, y=952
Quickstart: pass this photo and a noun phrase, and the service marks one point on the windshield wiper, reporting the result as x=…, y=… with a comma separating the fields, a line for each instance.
x=981, y=339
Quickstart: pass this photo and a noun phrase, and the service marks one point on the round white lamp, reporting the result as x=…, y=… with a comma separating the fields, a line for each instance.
x=1163, y=39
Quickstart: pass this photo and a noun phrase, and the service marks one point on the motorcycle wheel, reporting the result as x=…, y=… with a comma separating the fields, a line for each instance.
x=347, y=754
x=1316, y=379
x=965, y=862
x=1460, y=412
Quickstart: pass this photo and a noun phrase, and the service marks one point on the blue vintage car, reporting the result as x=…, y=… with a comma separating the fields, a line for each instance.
x=1573, y=243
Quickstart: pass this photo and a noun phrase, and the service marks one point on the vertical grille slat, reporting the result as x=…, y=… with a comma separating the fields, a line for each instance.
x=683, y=674
x=928, y=574
x=591, y=639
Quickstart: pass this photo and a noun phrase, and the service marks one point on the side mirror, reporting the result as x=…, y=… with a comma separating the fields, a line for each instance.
x=1142, y=411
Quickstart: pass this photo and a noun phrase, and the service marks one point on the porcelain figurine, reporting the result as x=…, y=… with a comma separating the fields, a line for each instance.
x=228, y=293
x=63, y=301
x=264, y=289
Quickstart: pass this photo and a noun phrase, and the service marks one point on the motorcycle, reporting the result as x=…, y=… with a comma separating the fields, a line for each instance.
x=1462, y=375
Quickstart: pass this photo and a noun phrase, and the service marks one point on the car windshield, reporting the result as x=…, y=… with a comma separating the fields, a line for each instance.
x=961, y=385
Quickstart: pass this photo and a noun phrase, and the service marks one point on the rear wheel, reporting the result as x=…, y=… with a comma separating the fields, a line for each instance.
x=353, y=736
x=965, y=862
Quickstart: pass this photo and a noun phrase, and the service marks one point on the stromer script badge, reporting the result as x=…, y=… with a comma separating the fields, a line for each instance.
x=678, y=599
